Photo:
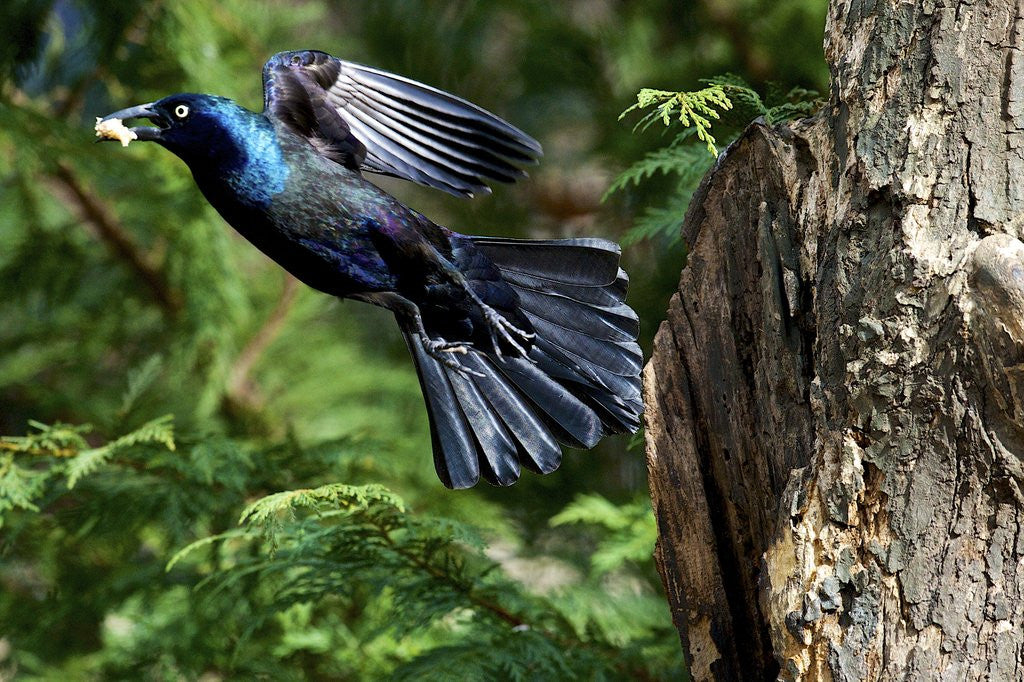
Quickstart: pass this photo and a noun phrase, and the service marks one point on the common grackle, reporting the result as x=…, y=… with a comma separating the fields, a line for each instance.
x=519, y=344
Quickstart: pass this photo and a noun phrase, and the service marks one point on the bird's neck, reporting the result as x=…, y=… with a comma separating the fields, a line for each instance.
x=244, y=162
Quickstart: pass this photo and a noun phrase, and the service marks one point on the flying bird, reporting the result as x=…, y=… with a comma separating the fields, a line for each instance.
x=520, y=345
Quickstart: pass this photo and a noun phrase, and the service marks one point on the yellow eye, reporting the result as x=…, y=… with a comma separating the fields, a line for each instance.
x=181, y=111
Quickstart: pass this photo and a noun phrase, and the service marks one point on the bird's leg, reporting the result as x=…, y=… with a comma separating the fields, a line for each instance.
x=498, y=326
x=443, y=351
x=409, y=252
x=409, y=318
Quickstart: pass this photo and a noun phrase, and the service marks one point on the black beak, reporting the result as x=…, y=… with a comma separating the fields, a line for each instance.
x=147, y=111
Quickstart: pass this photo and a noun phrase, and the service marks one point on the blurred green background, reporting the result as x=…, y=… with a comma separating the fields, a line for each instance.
x=124, y=299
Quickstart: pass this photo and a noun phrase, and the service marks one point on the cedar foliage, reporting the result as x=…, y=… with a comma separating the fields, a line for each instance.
x=210, y=471
x=729, y=98
x=334, y=581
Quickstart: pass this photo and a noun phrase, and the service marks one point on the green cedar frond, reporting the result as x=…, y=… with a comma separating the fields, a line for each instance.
x=775, y=107
x=140, y=379
x=797, y=103
x=727, y=99
x=200, y=543
x=661, y=221
x=338, y=542
x=522, y=655
x=19, y=486
x=269, y=509
x=269, y=514
x=61, y=449
x=629, y=530
x=695, y=108
x=57, y=440
x=159, y=431
x=592, y=509
x=686, y=160
x=743, y=97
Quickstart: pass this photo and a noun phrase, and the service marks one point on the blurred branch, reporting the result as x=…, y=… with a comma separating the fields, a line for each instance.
x=135, y=29
x=241, y=389
x=119, y=240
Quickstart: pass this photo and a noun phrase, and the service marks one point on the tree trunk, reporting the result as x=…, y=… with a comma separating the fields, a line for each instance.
x=835, y=401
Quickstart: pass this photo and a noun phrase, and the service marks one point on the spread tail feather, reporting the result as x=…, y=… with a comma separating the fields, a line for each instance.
x=582, y=384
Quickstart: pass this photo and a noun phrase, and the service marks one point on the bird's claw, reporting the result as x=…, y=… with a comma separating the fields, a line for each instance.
x=498, y=325
x=442, y=351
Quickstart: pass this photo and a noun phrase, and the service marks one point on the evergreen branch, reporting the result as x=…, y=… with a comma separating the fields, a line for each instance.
x=19, y=487
x=120, y=241
x=267, y=510
x=57, y=440
x=695, y=111
x=629, y=533
x=517, y=622
x=139, y=380
x=695, y=108
x=159, y=431
x=662, y=221
x=178, y=556
x=446, y=577
x=686, y=160
x=592, y=509
x=797, y=103
x=7, y=445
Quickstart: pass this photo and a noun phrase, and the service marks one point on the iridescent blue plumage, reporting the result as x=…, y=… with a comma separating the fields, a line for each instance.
x=519, y=345
x=227, y=144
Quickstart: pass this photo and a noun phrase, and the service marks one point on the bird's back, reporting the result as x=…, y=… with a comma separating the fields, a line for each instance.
x=320, y=222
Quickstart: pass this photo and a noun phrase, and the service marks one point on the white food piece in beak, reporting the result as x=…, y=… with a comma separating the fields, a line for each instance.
x=114, y=129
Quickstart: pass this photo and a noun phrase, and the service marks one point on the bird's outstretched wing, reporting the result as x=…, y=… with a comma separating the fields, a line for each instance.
x=392, y=125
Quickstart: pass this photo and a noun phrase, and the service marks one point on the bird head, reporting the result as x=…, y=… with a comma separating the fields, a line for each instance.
x=195, y=127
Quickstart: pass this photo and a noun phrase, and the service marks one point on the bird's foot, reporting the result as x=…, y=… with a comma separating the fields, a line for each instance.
x=500, y=328
x=443, y=352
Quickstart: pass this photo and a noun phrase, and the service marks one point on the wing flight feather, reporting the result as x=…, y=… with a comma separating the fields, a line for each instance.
x=392, y=125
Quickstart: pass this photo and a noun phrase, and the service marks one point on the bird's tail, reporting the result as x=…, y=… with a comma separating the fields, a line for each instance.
x=582, y=384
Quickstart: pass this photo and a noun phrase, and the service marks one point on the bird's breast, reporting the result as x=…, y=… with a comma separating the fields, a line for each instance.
x=310, y=231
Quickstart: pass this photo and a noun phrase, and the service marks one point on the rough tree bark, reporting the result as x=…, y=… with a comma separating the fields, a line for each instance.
x=835, y=401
